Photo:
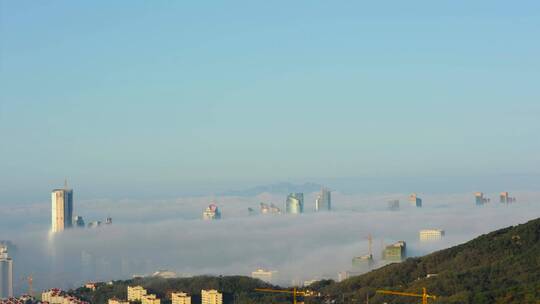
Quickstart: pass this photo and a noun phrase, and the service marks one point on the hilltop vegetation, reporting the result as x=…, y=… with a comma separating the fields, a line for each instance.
x=499, y=267
x=235, y=289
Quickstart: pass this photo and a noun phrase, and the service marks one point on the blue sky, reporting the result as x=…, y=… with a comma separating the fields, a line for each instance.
x=176, y=95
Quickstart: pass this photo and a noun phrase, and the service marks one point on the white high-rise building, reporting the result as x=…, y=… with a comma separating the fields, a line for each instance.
x=324, y=200
x=211, y=297
x=61, y=209
x=6, y=274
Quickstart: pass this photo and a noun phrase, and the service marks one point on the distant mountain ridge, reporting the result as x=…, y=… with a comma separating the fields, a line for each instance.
x=278, y=188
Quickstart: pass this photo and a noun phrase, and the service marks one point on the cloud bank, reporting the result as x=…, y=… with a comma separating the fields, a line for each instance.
x=147, y=236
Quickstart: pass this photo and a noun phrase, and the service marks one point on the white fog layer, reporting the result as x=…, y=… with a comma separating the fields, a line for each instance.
x=147, y=236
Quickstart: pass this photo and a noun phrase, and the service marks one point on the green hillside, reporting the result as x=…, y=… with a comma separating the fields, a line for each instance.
x=235, y=289
x=499, y=267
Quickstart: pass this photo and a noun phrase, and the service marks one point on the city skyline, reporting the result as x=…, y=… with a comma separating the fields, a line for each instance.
x=252, y=152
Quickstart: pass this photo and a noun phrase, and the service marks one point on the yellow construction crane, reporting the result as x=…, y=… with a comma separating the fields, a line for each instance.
x=425, y=296
x=294, y=292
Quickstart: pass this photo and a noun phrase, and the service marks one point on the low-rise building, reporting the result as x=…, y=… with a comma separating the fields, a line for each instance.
x=150, y=299
x=431, y=235
x=212, y=212
x=264, y=275
x=211, y=297
x=180, y=298
x=57, y=296
x=135, y=293
x=117, y=301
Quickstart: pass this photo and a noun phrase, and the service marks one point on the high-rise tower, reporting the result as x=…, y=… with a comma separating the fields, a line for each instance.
x=61, y=209
x=295, y=203
x=6, y=274
x=324, y=200
x=415, y=200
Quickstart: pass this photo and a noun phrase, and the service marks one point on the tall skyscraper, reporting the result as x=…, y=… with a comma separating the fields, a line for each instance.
x=324, y=200
x=415, y=200
x=295, y=203
x=62, y=209
x=6, y=274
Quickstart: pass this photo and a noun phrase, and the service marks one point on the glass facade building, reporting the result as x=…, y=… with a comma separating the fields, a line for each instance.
x=295, y=203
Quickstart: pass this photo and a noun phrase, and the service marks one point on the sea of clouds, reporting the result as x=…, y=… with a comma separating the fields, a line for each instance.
x=147, y=236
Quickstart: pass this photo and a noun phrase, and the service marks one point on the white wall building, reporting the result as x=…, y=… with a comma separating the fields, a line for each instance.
x=6, y=274
x=211, y=297
x=180, y=298
x=61, y=209
x=431, y=235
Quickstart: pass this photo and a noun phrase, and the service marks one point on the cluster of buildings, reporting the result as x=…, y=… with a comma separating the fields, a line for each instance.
x=62, y=212
x=504, y=198
x=269, y=209
x=212, y=212
x=138, y=294
x=24, y=299
x=414, y=200
x=294, y=204
x=57, y=296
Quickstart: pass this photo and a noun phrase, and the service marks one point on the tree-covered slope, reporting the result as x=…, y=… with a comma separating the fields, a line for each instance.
x=499, y=267
x=235, y=289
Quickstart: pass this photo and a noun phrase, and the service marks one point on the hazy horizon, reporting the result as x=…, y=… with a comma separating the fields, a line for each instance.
x=152, y=110
x=192, y=98
x=309, y=246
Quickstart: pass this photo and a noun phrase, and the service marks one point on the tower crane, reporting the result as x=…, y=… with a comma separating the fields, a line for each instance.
x=294, y=292
x=424, y=295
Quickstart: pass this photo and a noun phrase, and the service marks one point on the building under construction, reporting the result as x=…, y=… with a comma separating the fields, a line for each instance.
x=395, y=252
x=364, y=262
